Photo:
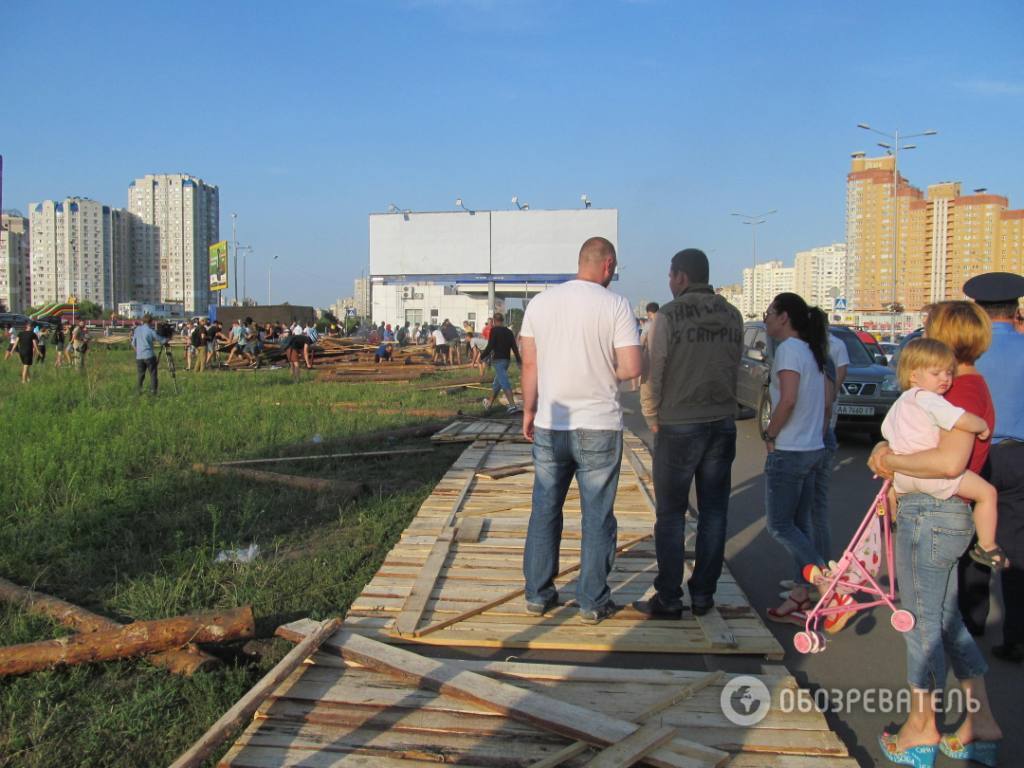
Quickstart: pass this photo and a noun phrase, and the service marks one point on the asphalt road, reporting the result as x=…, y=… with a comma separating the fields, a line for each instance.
x=868, y=653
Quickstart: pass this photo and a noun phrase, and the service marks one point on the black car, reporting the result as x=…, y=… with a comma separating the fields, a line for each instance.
x=868, y=392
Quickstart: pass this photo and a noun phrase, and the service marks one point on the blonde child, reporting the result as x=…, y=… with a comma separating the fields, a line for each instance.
x=925, y=373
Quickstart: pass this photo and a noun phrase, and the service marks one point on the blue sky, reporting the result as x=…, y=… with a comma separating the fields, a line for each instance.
x=309, y=116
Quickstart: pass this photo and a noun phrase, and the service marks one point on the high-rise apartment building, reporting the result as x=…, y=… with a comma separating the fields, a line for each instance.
x=733, y=294
x=819, y=275
x=764, y=283
x=73, y=252
x=14, y=262
x=362, y=296
x=944, y=238
x=177, y=220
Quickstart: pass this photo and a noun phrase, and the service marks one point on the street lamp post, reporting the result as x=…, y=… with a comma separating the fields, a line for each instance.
x=894, y=149
x=754, y=221
x=234, y=242
x=270, y=267
x=246, y=250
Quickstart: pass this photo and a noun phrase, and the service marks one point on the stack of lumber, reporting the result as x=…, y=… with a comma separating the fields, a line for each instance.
x=455, y=576
x=361, y=703
x=470, y=430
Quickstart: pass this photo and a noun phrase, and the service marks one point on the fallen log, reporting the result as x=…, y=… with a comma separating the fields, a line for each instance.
x=349, y=455
x=185, y=661
x=246, y=707
x=136, y=639
x=343, y=488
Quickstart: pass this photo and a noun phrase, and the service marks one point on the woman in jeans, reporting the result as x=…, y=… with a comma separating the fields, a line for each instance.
x=931, y=537
x=794, y=436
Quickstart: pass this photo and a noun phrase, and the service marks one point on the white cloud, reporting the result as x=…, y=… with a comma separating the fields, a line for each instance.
x=985, y=87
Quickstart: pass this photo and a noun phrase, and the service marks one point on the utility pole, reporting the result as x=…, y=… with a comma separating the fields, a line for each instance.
x=234, y=246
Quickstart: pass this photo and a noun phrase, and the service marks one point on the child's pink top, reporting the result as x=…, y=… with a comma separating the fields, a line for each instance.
x=913, y=425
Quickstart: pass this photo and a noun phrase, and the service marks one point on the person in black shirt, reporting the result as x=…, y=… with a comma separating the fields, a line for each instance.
x=500, y=347
x=58, y=344
x=27, y=346
x=198, y=339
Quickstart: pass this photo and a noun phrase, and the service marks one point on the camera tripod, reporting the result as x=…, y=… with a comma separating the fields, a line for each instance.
x=170, y=364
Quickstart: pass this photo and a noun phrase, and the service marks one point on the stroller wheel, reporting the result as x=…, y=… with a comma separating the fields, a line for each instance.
x=902, y=620
x=804, y=642
x=819, y=642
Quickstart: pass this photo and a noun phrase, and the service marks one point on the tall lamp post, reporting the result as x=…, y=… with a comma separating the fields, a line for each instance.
x=754, y=221
x=246, y=250
x=234, y=243
x=894, y=149
x=270, y=267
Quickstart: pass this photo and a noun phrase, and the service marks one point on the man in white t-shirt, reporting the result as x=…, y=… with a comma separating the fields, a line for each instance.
x=578, y=341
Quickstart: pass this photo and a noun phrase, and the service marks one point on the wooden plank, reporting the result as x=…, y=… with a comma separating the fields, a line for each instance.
x=351, y=455
x=469, y=530
x=509, y=470
x=633, y=748
x=526, y=706
x=512, y=595
x=347, y=489
x=642, y=477
x=248, y=704
x=416, y=603
x=716, y=630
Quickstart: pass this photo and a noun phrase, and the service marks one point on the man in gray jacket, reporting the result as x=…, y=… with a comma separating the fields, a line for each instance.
x=689, y=402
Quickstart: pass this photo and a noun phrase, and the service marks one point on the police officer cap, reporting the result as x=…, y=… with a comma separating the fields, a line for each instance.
x=995, y=287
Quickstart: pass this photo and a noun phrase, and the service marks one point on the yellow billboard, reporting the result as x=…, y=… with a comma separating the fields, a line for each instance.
x=219, y=266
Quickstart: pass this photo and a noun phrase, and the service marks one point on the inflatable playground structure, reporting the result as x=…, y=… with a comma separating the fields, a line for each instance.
x=60, y=310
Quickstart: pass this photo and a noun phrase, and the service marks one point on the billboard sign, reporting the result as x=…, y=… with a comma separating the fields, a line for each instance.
x=219, y=266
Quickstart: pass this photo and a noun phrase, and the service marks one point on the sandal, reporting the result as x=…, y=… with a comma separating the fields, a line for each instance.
x=994, y=558
x=790, y=616
x=836, y=621
x=983, y=752
x=922, y=756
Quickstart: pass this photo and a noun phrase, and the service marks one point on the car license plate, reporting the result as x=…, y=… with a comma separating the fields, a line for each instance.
x=855, y=410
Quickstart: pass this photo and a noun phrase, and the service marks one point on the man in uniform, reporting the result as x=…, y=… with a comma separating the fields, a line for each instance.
x=689, y=401
x=1003, y=368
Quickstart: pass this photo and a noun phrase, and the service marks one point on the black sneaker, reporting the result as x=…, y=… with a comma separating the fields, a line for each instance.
x=598, y=615
x=539, y=609
x=655, y=609
x=700, y=609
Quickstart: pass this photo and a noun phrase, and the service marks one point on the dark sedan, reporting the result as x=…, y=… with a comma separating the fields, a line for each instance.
x=868, y=392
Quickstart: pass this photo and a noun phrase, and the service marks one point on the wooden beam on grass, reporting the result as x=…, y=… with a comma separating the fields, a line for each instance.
x=136, y=639
x=245, y=707
x=531, y=707
x=511, y=595
x=341, y=488
x=350, y=455
x=185, y=661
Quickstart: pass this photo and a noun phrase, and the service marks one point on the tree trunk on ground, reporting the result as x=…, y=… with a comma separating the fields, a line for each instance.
x=136, y=639
x=337, y=487
x=185, y=661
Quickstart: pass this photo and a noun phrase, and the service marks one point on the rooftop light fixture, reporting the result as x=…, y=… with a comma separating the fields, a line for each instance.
x=459, y=204
x=520, y=206
x=585, y=200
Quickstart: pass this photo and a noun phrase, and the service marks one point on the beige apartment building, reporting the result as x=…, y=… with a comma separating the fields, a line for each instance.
x=14, y=263
x=944, y=238
x=819, y=275
x=74, y=251
x=762, y=284
x=177, y=219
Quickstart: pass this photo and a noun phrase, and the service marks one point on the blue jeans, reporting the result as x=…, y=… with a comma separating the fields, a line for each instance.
x=501, y=381
x=820, y=529
x=789, y=497
x=681, y=452
x=593, y=456
x=931, y=536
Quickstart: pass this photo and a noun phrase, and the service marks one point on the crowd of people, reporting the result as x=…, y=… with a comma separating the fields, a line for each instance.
x=955, y=437
x=30, y=341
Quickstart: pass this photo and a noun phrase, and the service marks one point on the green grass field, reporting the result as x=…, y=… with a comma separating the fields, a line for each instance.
x=99, y=506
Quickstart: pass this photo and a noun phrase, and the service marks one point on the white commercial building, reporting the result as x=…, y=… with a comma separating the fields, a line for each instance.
x=733, y=294
x=819, y=275
x=75, y=252
x=135, y=310
x=14, y=263
x=178, y=219
x=763, y=284
x=466, y=263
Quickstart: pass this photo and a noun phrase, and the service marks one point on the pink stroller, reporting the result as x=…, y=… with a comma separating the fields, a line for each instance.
x=857, y=571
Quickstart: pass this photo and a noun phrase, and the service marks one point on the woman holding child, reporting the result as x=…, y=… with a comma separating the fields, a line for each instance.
x=933, y=533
